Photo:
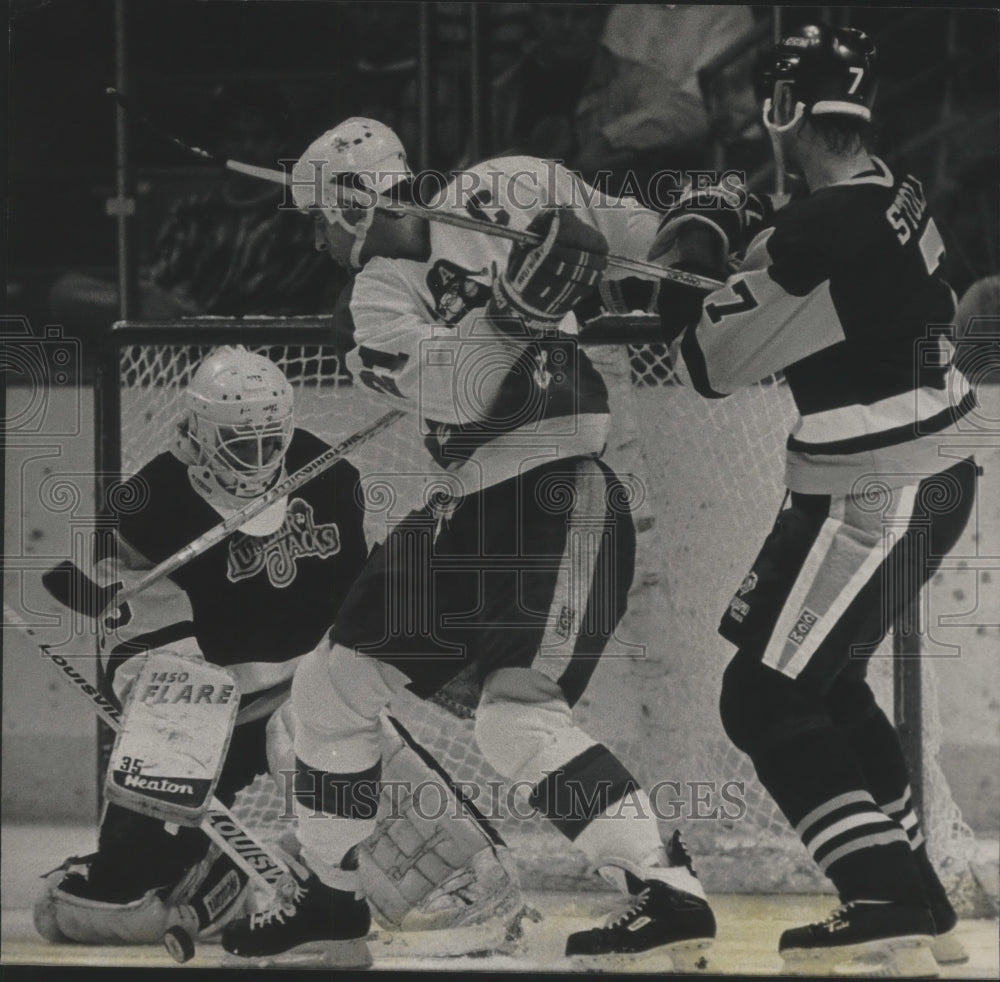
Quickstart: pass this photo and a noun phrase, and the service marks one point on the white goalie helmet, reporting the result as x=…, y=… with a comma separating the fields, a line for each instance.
x=343, y=171
x=236, y=429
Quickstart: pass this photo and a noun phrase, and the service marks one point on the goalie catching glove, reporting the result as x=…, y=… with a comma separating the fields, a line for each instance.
x=206, y=897
x=545, y=281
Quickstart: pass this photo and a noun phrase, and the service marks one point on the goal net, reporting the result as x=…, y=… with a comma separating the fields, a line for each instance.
x=707, y=477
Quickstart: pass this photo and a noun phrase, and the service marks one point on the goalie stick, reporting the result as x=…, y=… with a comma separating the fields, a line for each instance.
x=68, y=584
x=73, y=588
x=475, y=918
x=638, y=266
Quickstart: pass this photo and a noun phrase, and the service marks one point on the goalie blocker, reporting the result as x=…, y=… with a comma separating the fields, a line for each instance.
x=174, y=737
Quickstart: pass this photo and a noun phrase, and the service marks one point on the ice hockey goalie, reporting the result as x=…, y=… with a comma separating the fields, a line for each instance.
x=253, y=604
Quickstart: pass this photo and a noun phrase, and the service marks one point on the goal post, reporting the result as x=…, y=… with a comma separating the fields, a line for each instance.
x=708, y=480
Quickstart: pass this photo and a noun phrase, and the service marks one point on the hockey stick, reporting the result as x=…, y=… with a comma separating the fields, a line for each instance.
x=68, y=584
x=268, y=872
x=428, y=214
x=639, y=266
x=265, y=173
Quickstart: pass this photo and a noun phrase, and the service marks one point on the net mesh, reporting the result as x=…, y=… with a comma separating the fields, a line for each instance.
x=709, y=479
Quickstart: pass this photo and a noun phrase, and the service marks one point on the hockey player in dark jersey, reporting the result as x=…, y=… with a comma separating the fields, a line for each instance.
x=840, y=290
x=511, y=579
x=255, y=603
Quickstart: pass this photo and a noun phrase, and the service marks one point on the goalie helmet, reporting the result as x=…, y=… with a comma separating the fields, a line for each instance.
x=236, y=429
x=826, y=70
x=344, y=171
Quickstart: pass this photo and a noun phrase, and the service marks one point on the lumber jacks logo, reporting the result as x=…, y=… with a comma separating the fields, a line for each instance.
x=454, y=292
x=278, y=552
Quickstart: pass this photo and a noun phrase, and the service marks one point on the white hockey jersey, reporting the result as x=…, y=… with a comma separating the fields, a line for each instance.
x=490, y=406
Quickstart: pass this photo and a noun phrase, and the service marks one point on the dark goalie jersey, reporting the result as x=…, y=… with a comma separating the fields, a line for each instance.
x=844, y=292
x=249, y=603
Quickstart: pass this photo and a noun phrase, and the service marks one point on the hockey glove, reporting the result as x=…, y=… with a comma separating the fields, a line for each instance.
x=619, y=297
x=543, y=282
x=719, y=213
x=679, y=305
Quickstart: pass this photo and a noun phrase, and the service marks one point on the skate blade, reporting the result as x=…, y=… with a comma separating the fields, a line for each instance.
x=495, y=936
x=353, y=953
x=685, y=957
x=908, y=957
x=471, y=941
x=947, y=949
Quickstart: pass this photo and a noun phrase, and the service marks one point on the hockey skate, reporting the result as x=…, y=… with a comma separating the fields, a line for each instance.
x=947, y=948
x=866, y=938
x=664, y=922
x=310, y=924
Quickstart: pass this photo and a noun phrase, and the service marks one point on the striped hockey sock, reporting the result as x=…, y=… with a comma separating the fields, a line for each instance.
x=876, y=744
x=820, y=787
x=864, y=852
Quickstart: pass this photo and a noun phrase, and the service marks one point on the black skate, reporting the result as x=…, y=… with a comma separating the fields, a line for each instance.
x=863, y=937
x=946, y=948
x=664, y=919
x=310, y=923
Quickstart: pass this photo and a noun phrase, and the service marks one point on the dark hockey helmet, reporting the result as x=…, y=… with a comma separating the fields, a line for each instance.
x=827, y=71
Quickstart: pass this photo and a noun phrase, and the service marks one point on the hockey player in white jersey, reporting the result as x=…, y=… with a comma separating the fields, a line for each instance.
x=840, y=290
x=509, y=582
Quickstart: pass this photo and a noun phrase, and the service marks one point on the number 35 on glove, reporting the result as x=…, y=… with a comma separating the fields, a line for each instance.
x=543, y=282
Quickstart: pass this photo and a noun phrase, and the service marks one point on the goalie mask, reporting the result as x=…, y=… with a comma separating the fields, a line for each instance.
x=235, y=432
x=343, y=172
x=819, y=70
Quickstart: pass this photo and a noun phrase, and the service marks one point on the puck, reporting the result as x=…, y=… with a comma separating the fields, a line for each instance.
x=178, y=942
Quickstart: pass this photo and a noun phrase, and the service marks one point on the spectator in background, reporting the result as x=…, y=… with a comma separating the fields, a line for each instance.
x=384, y=61
x=680, y=40
x=226, y=249
x=507, y=24
x=576, y=99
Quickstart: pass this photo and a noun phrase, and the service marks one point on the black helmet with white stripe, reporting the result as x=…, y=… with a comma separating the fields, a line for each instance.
x=820, y=70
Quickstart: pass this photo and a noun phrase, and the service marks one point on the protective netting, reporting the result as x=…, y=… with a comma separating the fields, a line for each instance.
x=710, y=479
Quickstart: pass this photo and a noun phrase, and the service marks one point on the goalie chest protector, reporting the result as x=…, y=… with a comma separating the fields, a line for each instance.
x=174, y=737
